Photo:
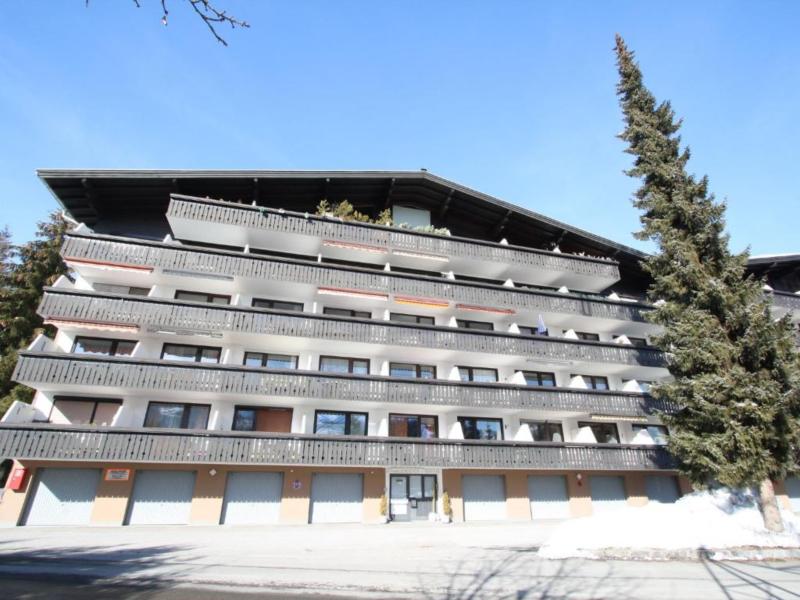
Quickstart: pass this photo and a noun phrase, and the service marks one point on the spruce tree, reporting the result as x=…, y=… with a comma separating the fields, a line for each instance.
x=26, y=270
x=734, y=367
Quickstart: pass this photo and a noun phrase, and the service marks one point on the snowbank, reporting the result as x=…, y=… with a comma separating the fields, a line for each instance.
x=713, y=520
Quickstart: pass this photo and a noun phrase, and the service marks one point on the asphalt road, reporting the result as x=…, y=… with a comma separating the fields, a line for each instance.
x=399, y=561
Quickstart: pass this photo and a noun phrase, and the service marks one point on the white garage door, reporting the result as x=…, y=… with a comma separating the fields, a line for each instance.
x=608, y=493
x=484, y=498
x=161, y=498
x=252, y=498
x=792, y=485
x=662, y=488
x=63, y=497
x=337, y=498
x=548, y=496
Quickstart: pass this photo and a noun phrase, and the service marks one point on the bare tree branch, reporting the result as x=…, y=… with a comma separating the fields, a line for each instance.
x=205, y=9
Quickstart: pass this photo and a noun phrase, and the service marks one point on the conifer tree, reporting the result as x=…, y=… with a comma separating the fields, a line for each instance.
x=26, y=270
x=734, y=367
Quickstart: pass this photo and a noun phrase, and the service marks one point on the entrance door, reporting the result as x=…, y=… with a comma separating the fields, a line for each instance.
x=412, y=497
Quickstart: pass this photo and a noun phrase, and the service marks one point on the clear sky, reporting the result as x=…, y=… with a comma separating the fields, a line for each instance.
x=515, y=99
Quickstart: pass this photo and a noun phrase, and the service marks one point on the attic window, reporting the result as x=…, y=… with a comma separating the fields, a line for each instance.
x=413, y=217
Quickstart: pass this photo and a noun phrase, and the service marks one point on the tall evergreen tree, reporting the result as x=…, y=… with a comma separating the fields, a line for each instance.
x=734, y=367
x=26, y=270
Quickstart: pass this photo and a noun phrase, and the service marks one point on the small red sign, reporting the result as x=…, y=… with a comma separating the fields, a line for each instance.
x=19, y=477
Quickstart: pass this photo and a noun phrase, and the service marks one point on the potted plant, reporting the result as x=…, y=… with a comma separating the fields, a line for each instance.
x=383, y=508
x=447, y=509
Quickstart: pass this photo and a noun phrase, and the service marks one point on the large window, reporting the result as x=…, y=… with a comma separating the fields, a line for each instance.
x=588, y=337
x=604, y=433
x=643, y=385
x=328, y=422
x=103, y=346
x=121, y=289
x=271, y=361
x=346, y=312
x=177, y=415
x=594, y=382
x=83, y=411
x=659, y=433
x=277, y=304
x=478, y=428
x=202, y=297
x=338, y=364
x=187, y=353
x=528, y=330
x=480, y=325
x=477, y=374
x=543, y=431
x=412, y=371
x=415, y=319
x=539, y=378
x=415, y=426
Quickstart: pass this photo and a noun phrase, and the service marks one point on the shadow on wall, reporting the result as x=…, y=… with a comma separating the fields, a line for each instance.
x=517, y=574
x=89, y=566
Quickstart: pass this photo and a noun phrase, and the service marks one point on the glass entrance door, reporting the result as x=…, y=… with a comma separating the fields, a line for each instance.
x=412, y=497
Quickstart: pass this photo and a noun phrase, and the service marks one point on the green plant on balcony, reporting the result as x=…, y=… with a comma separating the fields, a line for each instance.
x=346, y=212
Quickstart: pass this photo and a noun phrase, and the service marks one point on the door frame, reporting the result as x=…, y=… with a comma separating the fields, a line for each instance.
x=407, y=476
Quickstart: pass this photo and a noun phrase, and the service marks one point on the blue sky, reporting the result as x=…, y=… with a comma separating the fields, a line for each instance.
x=515, y=99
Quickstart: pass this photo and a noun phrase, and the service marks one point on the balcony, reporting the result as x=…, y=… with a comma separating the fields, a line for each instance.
x=72, y=308
x=101, y=444
x=786, y=302
x=88, y=251
x=285, y=231
x=62, y=372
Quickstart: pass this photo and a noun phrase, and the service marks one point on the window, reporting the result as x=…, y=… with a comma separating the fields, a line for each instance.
x=202, y=297
x=187, y=353
x=476, y=428
x=346, y=312
x=83, y=411
x=271, y=361
x=336, y=364
x=643, y=385
x=659, y=433
x=340, y=423
x=416, y=319
x=539, y=378
x=543, y=431
x=526, y=330
x=103, y=346
x=635, y=341
x=277, y=304
x=588, y=337
x=480, y=325
x=412, y=371
x=266, y=418
x=604, y=433
x=594, y=382
x=477, y=374
x=176, y=415
x=415, y=426
x=121, y=289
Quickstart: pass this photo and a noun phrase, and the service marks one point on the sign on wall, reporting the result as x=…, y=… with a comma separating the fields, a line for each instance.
x=117, y=475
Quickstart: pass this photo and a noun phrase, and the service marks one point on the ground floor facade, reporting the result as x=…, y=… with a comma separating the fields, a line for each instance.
x=60, y=493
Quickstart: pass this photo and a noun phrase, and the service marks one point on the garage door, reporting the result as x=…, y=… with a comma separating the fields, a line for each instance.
x=792, y=485
x=252, y=498
x=484, y=498
x=62, y=497
x=662, y=488
x=337, y=498
x=161, y=498
x=608, y=493
x=548, y=496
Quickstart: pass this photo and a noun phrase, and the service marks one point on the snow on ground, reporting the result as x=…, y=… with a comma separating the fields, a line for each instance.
x=715, y=520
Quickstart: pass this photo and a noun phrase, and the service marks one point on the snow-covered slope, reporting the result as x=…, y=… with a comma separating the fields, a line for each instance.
x=713, y=520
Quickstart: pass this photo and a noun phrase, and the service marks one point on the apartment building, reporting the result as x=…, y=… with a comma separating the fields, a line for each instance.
x=224, y=355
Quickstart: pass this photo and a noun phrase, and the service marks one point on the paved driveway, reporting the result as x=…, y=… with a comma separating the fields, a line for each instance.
x=428, y=561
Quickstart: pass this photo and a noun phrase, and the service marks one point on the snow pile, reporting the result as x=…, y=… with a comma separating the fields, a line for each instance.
x=716, y=519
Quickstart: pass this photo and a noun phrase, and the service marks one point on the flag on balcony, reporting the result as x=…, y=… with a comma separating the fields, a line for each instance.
x=541, y=328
